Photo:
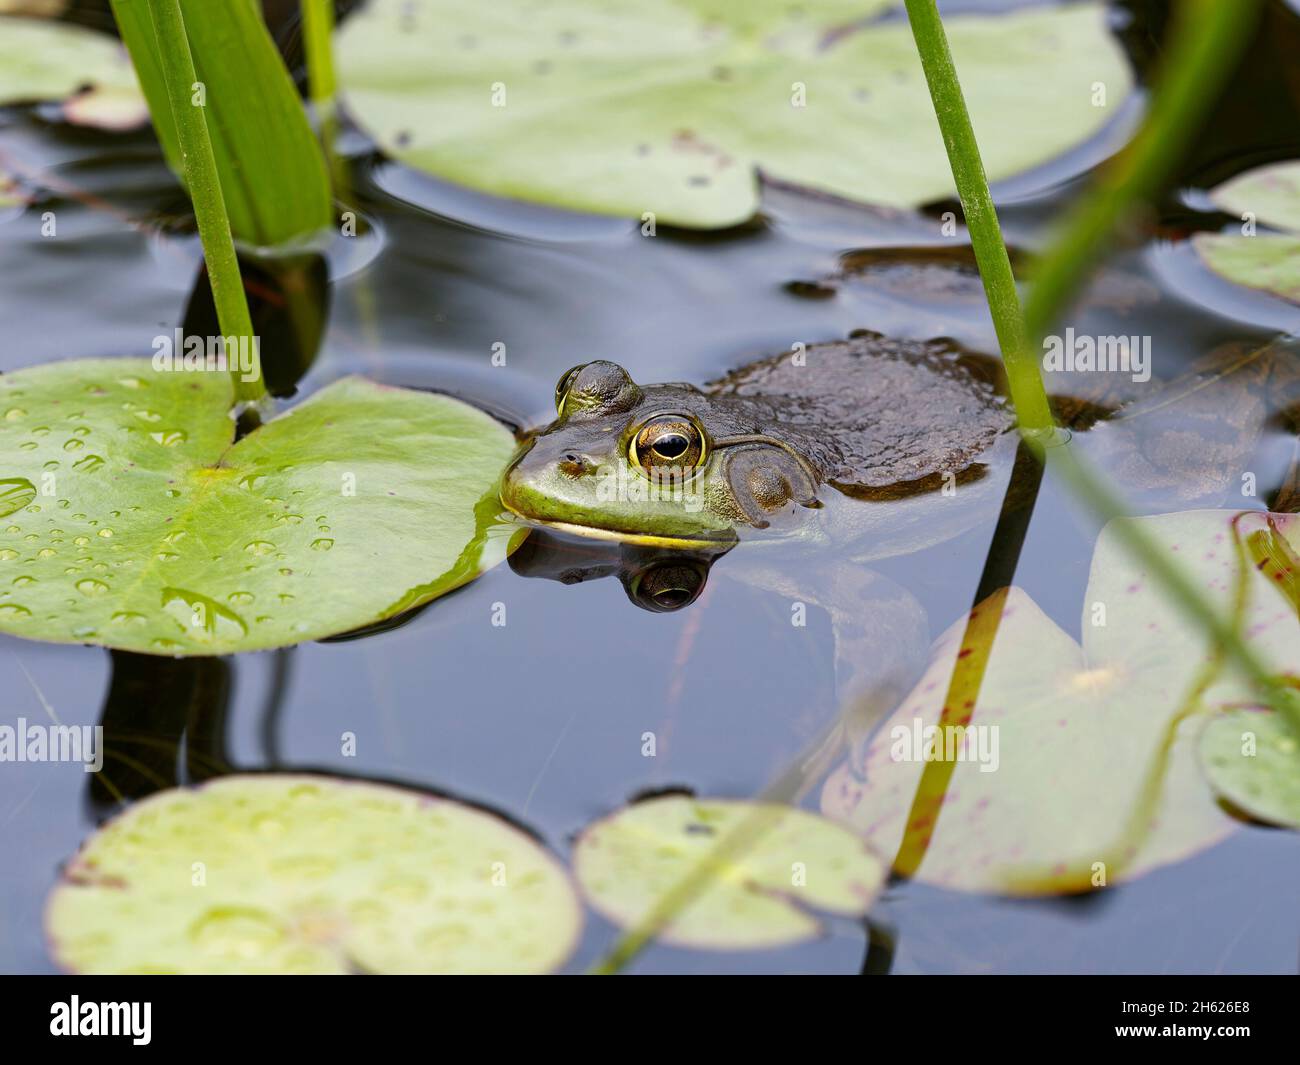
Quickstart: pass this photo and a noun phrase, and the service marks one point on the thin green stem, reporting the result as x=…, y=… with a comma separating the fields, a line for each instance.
x=1023, y=376
x=317, y=29
x=200, y=169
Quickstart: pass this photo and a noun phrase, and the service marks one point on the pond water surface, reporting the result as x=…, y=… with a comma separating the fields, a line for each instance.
x=542, y=718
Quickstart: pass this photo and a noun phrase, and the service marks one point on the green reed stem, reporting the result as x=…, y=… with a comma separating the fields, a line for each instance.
x=1023, y=376
x=317, y=29
x=200, y=170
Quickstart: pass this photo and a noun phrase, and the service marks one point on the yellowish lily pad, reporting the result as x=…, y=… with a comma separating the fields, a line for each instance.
x=304, y=874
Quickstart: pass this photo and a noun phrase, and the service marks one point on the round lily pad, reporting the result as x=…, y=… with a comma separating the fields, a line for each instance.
x=304, y=874
x=129, y=516
x=766, y=870
x=672, y=106
x=89, y=72
x=1269, y=193
x=1269, y=262
x=1253, y=761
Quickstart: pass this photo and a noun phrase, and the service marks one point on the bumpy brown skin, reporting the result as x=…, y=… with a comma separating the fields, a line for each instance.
x=877, y=417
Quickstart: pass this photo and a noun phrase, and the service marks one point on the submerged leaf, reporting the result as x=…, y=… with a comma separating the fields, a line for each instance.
x=669, y=106
x=304, y=874
x=1092, y=773
x=147, y=529
x=788, y=865
x=1253, y=761
x=88, y=71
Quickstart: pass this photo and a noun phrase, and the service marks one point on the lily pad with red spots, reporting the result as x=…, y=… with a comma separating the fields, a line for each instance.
x=1081, y=768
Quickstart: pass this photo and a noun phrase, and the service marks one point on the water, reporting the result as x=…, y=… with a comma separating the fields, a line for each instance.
x=542, y=719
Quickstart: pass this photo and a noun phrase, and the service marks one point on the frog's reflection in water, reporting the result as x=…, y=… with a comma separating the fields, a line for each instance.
x=658, y=579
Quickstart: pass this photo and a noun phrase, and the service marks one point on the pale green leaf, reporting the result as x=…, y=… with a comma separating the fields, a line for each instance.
x=1269, y=263
x=670, y=106
x=1270, y=195
x=1253, y=760
x=764, y=892
x=1096, y=774
x=303, y=874
x=88, y=72
x=133, y=521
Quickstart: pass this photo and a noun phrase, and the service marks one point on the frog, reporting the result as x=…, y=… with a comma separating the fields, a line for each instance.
x=812, y=448
x=857, y=450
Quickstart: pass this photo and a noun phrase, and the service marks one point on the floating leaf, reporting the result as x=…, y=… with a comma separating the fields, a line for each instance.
x=1095, y=750
x=1269, y=196
x=273, y=176
x=151, y=531
x=762, y=894
x=1268, y=263
x=669, y=106
x=303, y=874
x=87, y=71
x=1253, y=761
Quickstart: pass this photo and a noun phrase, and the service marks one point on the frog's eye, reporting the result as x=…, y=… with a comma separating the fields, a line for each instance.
x=562, y=388
x=668, y=441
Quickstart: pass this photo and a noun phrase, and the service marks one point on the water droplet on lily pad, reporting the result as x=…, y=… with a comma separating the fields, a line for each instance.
x=418, y=895
x=15, y=493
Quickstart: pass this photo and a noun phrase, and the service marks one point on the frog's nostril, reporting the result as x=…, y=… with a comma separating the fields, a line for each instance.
x=573, y=465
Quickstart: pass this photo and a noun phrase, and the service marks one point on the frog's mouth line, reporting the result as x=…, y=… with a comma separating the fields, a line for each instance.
x=594, y=532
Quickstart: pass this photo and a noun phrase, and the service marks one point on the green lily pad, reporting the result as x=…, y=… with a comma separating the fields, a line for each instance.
x=1268, y=262
x=669, y=106
x=1096, y=743
x=762, y=894
x=128, y=518
x=1270, y=193
x=89, y=72
x=302, y=874
x=1253, y=761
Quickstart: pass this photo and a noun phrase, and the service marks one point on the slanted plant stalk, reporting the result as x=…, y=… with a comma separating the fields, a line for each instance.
x=1209, y=38
x=200, y=169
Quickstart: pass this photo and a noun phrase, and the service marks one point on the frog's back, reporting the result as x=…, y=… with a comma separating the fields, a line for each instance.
x=889, y=417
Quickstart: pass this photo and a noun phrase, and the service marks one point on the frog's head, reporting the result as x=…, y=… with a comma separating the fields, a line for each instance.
x=665, y=465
